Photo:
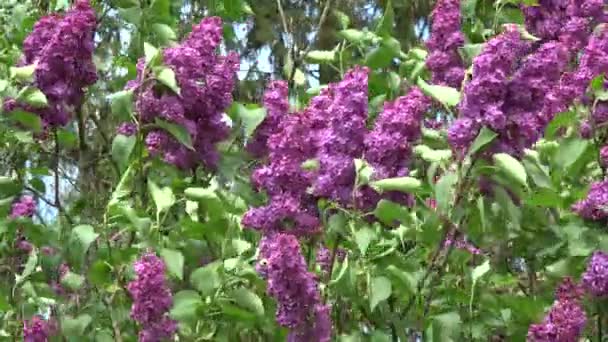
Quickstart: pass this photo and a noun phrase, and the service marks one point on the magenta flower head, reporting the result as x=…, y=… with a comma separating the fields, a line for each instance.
x=444, y=61
x=61, y=48
x=206, y=80
x=572, y=85
x=388, y=147
x=485, y=94
x=23, y=207
x=339, y=113
x=36, y=330
x=276, y=103
x=295, y=289
x=595, y=278
x=152, y=299
x=127, y=128
x=566, y=319
x=595, y=205
x=568, y=21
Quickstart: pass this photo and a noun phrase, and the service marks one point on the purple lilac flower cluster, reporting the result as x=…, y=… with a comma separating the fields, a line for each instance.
x=332, y=131
x=508, y=91
x=595, y=205
x=23, y=207
x=127, y=128
x=339, y=113
x=484, y=95
x=296, y=289
x=568, y=21
x=324, y=256
x=152, y=299
x=291, y=208
x=572, y=85
x=61, y=49
x=388, y=147
x=461, y=242
x=36, y=330
x=206, y=81
x=444, y=61
x=276, y=103
x=595, y=278
x=565, y=321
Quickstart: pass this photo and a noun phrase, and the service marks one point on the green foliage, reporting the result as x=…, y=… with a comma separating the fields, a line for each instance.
x=103, y=200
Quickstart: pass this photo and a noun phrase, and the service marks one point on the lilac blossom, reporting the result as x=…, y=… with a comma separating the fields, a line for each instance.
x=61, y=49
x=36, y=330
x=206, y=81
x=127, y=128
x=276, y=103
x=595, y=278
x=444, y=61
x=388, y=147
x=152, y=299
x=595, y=205
x=295, y=289
x=566, y=319
x=24, y=207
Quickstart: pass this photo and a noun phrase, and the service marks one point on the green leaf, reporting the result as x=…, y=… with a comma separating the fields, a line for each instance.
x=407, y=279
x=363, y=237
x=388, y=212
x=310, y=165
x=72, y=281
x=319, y=56
x=241, y=246
x=380, y=290
x=122, y=146
x=122, y=103
x=166, y=76
x=569, y=152
x=448, y=96
x=28, y=269
x=233, y=8
x=511, y=167
x=200, y=194
x=560, y=120
x=33, y=97
x=485, y=137
x=206, y=279
x=250, y=115
x=100, y=273
x=132, y=15
x=85, y=234
x=178, y=132
x=3, y=85
x=185, y=305
x=432, y=156
x=546, y=198
x=364, y=172
x=385, y=26
x=164, y=33
x=163, y=197
x=444, y=191
x=401, y=184
x=247, y=299
x=337, y=276
x=75, y=326
x=67, y=138
x=343, y=19
x=152, y=55
x=174, y=261
x=24, y=73
x=356, y=36
x=29, y=120
x=480, y=271
x=446, y=325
